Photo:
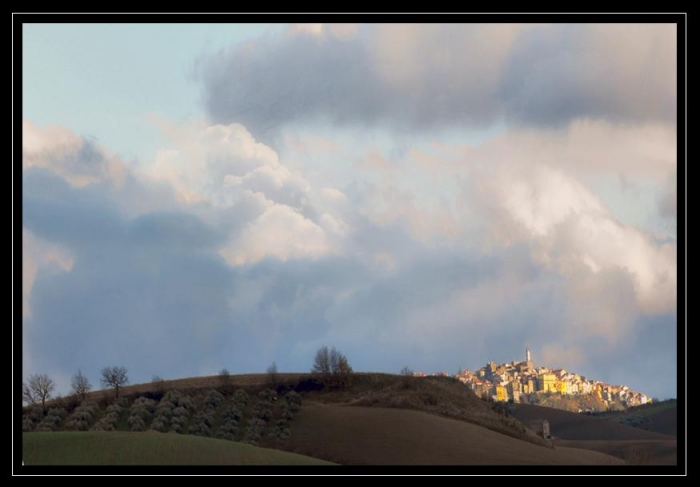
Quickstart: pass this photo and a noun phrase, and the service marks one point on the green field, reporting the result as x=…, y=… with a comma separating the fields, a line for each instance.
x=148, y=448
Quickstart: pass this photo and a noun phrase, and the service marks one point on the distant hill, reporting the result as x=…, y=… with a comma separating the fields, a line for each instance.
x=147, y=448
x=659, y=417
x=634, y=445
x=573, y=426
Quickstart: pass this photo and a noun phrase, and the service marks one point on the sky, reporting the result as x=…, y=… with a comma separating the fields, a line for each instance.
x=208, y=196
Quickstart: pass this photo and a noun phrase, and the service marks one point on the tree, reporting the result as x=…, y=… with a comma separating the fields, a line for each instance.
x=332, y=366
x=38, y=389
x=80, y=385
x=114, y=377
x=224, y=377
x=272, y=373
x=406, y=371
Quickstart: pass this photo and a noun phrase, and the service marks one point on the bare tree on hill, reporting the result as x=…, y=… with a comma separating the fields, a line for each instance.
x=332, y=366
x=38, y=389
x=114, y=377
x=272, y=373
x=80, y=385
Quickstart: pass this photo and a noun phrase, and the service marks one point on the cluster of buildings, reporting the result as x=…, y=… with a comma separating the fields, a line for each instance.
x=515, y=381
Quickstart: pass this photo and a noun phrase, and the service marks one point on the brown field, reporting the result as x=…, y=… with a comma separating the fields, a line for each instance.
x=634, y=445
x=637, y=452
x=353, y=435
x=566, y=425
x=665, y=422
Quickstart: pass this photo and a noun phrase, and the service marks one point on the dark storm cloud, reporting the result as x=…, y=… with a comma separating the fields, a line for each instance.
x=424, y=76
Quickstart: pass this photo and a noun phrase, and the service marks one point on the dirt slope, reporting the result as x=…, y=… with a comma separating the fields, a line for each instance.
x=636, y=452
x=573, y=426
x=354, y=435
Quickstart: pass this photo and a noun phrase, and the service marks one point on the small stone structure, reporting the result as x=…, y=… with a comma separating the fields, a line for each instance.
x=541, y=427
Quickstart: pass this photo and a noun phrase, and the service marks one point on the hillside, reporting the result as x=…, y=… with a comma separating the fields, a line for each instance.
x=441, y=396
x=147, y=448
x=382, y=436
x=566, y=425
x=660, y=417
x=378, y=418
x=634, y=445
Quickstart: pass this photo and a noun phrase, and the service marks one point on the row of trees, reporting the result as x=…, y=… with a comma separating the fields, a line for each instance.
x=39, y=388
x=331, y=366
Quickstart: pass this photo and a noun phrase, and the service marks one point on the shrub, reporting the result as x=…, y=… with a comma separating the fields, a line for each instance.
x=137, y=423
x=144, y=403
x=27, y=424
x=232, y=413
x=228, y=430
x=82, y=415
x=114, y=408
x=180, y=412
x=213, y=398
x=253, y=432
x=281, y=430
x=159, y=424
x=263, y=411
x=103, y=425
x=186, y=402
x=293, y=400
x=267, y=395
x=241, y=398
x=199, y=429
x=286, y=413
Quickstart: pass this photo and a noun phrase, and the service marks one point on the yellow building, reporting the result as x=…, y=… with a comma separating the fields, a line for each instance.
x=547, y=382
x=501, y=393
x=561, y=387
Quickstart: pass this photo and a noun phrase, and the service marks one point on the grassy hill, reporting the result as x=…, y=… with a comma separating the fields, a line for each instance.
x=383, y=436
x=660, y=417
x=148, y=448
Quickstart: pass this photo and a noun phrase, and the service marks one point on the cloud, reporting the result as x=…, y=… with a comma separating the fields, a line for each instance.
x=668, y=205
x=418, y=77
x=38, y=254
x=570, y=230
x=618, y=72
x=268, y=262
x=78, y=160
x=279, y=232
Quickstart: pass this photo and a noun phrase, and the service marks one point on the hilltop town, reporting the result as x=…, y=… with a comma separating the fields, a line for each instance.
x=522, y=382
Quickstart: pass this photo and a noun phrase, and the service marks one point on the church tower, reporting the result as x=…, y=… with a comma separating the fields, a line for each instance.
x=528, y=359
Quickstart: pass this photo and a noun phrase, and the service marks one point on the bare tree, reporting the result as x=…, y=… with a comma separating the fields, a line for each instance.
x=38, y=389
x=322, y=364
x=114, y=377
x=406, y=371
x=332, y=366
x=224, y=377
x=80, y=385
x=272, y=373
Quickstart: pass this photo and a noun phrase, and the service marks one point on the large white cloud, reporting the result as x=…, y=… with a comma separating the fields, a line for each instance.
x=77, y=160
x=280, y=232
x=572, y=231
